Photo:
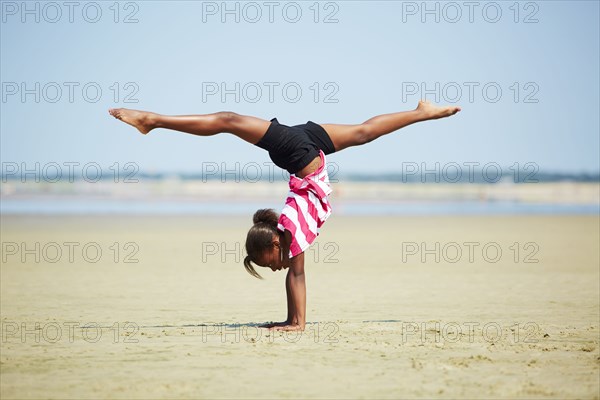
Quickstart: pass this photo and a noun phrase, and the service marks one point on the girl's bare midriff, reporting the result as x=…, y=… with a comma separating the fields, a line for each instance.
x=314, y=165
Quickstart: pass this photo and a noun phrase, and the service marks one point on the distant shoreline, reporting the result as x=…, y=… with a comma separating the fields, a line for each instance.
x=420, y=177
x=195, y=191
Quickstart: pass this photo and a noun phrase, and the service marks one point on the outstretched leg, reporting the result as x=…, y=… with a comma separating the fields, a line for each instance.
x=344, y=136
x=251, y=129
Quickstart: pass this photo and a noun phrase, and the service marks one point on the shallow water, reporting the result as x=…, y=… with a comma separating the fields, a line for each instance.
x=108, y=206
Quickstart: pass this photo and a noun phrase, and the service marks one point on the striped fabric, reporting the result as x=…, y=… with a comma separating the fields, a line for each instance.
x=306, y=208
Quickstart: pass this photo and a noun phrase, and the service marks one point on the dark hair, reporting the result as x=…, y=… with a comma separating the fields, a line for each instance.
x=260, y=237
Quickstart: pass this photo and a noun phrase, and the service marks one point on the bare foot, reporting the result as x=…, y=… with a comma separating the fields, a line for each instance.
x=434, y=112
x=288, y=327
x=142, y=120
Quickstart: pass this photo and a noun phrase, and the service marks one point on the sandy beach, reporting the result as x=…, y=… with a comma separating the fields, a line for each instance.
x=398, y=307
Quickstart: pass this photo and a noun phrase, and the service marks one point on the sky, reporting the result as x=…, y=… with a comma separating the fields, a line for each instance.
x=526, y=75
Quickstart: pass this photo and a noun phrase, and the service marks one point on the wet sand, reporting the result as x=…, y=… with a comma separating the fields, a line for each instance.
x=398, y=307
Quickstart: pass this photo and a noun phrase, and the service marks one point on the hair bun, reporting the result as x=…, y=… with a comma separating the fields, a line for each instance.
x=266, y=216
